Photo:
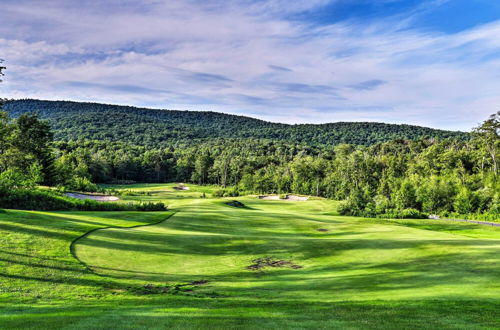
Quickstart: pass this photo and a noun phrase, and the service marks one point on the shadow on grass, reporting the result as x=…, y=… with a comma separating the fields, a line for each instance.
x=231, y=314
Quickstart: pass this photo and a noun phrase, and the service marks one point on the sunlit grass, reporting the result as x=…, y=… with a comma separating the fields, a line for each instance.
x=356, y=273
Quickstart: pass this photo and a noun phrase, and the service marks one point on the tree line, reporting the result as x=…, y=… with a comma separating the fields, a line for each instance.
x=398, y=178
x=73, y=121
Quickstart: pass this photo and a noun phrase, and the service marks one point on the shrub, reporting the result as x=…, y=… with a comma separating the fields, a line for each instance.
x=232, y=192
x=26, y=199
x=412, y=214
x=14, y=179
x=219, y=193
x=382, y=203
x=344, y=208
x=463, y=201
x=83, y=184
x=409, y=213
x=45, y=200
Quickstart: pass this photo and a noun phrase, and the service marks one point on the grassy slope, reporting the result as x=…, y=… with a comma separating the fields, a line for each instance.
x=360, y=274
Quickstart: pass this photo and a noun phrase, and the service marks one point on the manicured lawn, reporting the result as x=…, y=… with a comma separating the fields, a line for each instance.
x=354, y=273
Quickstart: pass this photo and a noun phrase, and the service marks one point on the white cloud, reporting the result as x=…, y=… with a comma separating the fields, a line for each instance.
x=247, y=58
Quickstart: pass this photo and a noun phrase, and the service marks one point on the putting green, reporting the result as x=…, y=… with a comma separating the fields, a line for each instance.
x=342, y=258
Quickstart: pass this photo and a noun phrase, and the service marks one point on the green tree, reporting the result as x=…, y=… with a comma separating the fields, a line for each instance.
x=33, y=136
x=488, y=135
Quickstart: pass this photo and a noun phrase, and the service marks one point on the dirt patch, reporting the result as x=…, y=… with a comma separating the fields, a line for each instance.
x=236, y=204
x=154, y=289
x=99, y=198
x=182, y=188
x=323, y=230
x=261, y=263
x=291, y=198
x=170, y=289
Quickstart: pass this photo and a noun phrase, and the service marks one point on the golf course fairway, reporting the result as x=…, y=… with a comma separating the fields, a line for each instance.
x=267, y=265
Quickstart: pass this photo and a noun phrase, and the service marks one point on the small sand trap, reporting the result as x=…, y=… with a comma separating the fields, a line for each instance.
x=272, y=197
x=99, y=198
x=296, y=198
x=291, y=198
x=181, y=188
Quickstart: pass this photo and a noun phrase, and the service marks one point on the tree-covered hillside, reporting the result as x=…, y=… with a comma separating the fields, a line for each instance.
x=148, y=127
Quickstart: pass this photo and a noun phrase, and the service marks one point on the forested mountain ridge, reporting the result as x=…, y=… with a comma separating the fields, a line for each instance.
x=151, y=127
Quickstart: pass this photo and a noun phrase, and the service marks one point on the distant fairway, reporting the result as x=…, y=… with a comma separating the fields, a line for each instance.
x=356, y=273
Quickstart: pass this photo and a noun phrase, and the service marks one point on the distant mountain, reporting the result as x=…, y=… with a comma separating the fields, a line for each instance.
x=141, y=126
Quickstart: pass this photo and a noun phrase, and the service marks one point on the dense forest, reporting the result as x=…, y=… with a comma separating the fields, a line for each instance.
x=73, y=121
x=450, y=174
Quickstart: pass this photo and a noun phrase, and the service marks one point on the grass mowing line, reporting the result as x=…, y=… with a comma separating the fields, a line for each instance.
x=494, y=224
x=72, y=245
x=456, y=228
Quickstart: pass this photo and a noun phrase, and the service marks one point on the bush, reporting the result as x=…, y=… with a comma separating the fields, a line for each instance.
x=83, y=184
x=14, y=178
x=412, y=214
x=219, y=193
x=45, y=200
x=231, y=192
x=403, y=214
x=463, y=201
x=344, y=208
x=25, y=199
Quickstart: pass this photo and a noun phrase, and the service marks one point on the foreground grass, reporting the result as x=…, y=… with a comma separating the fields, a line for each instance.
x=358, y=274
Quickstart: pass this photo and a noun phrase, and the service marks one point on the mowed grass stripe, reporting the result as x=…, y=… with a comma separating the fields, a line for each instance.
x=355, y=259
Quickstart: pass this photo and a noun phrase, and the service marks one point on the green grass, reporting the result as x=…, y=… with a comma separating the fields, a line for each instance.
x=361, y=273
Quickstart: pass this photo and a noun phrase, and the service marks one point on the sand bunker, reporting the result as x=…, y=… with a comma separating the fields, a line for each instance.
x=272, y=197
x=292, y=198
x=99, y=198
x=181, y=188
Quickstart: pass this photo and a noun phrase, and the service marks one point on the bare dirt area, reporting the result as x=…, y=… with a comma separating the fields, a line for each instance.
x=99, y=198
x=291, y=198
x=261, y=263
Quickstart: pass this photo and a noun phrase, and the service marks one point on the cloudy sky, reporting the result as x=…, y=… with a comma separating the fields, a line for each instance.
x=430, y=62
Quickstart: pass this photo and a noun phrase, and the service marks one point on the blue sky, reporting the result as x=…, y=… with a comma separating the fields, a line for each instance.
x=431, y=62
